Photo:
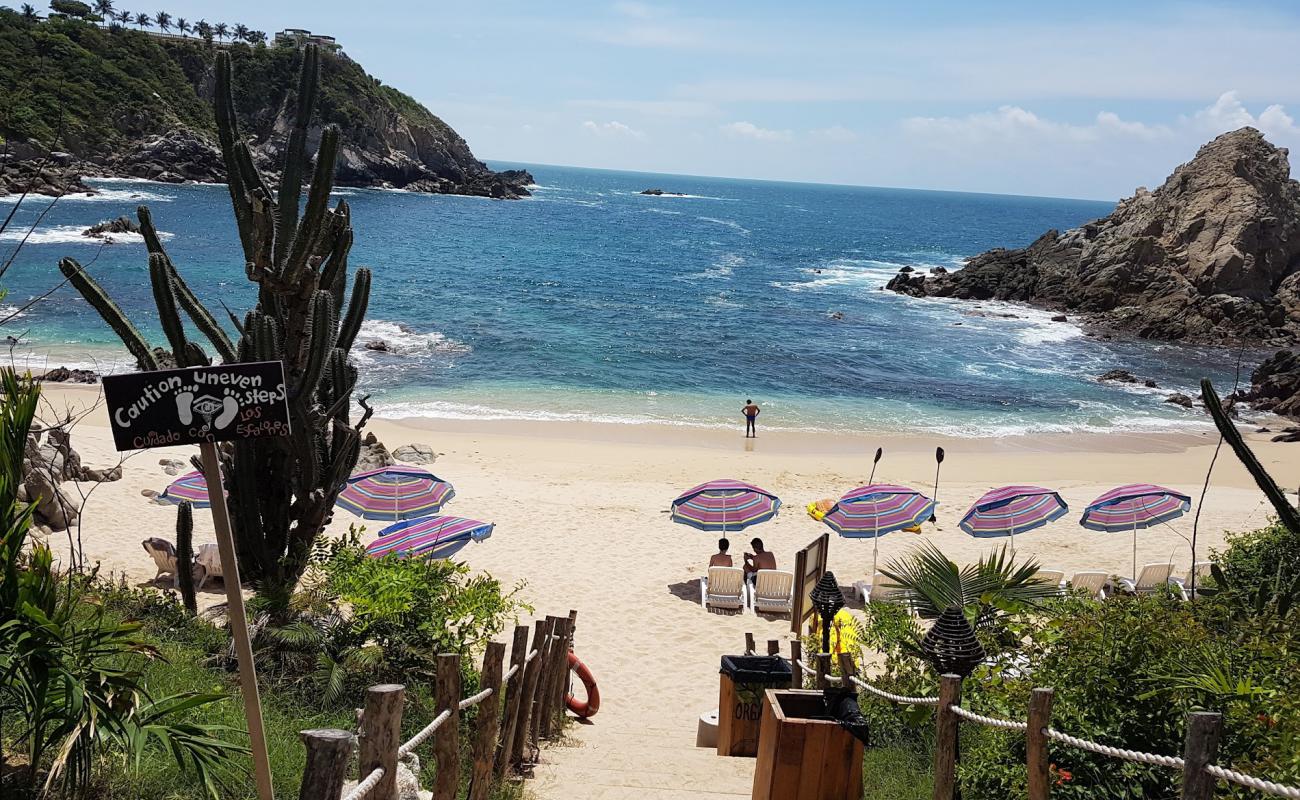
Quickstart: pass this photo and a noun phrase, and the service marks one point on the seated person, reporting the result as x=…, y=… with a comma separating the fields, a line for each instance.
x=721, y=558
x=759, y=559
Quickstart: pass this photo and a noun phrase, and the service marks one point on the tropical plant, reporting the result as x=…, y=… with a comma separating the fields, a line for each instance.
x=163, y=20
x=220, y=30
x=241, y=32
x=70, y=682
x=182, y=26
x=71, y=8
x=143, y=20
x=185, y=555
x=29, y=12
x=203, y=30
x=257, y=37
x=996, y=583
x=1287, y=513
x=104, y=8
x=298, y=259
x=124, y=17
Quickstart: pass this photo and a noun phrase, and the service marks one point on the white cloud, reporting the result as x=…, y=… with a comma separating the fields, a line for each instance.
x=653, y=108
x=1229, y=113
x=748, y=130
x=1014, y=122
x=613, y=128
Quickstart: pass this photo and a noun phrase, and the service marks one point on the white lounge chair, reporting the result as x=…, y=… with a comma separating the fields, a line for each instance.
x=1051, y=577
x=1152, y=577
x=772, y=592
x=878, y=590
x=208, y=559
x=1092, y=581
x=163, y=553
x=723, y=588
x=1184, y=584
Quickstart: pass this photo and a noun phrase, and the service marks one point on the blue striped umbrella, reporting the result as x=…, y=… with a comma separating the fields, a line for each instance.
x=871, y=511
x=430, y=537
x=1011, y=510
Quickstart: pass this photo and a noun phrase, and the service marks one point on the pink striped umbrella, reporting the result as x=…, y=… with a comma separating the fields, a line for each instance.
x=430, y=537
x=395, y=493
x=871, y=511
x=1133, y=506
x=1011, y=510
x=724, y=505
x=191, y=486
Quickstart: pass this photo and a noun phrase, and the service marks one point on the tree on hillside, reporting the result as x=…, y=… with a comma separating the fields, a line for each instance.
x=163, y=20
x=203, y=30
x=143, y=20
x=104, y=8
x=182, y=25
x=71, y=8
x=257, y=37
x=29, y=13
x=241, y=32
x=124, y=17
x=220, y=30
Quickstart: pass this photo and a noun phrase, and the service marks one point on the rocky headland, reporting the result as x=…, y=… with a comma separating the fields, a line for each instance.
x=1211, y=256
x=159, y=125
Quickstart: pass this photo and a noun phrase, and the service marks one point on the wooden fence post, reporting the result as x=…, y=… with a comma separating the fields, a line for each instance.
x=750, y=647
x=945, y=738
x=513, y=689
x=488, y=722
x=446, y=740
x=774, y=647
x=823, y=670
x=796, y=671
x=1037, y=757
x=847, y=669
x=562, y=684
x=543, y=661
x=552, y=676
x=329, y=752
x=1203, y=730
x=523, y=726
x=381, y=735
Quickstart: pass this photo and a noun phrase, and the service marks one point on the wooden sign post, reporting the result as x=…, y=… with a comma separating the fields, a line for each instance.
x=203, y=406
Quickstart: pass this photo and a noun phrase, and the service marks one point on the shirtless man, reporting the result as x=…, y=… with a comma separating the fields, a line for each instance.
x=721, y=558
x=751, y=411
x=759, y=559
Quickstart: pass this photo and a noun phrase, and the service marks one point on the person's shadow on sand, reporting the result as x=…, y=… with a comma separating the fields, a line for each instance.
x=689, y=590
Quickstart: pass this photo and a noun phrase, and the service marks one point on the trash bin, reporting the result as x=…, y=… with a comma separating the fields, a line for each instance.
x=741, y=684
x=803, y=754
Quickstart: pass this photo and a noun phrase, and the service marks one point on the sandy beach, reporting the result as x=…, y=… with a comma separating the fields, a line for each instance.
x=581, y=516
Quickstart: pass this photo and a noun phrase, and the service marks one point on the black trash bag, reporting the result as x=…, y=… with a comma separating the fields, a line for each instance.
x=842, y=706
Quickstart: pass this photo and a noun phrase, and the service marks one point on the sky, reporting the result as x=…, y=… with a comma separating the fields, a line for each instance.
x=1041, y=98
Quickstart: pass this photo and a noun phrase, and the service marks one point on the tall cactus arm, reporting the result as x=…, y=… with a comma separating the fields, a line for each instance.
x=111, y=313
x=333, y=272
x=202, y=318
x=165, y=299
x=357, y=305
x=1286, y=512
x=291, y=180
x=318, y=197
x=228, y=136
x=322, y=329
x=185, y=555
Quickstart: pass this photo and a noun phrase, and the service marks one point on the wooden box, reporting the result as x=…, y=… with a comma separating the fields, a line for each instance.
x=740, y=705
x=803, y=755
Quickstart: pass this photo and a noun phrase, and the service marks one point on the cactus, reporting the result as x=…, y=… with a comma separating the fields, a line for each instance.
x=1286, y=512
x=281, y=491
x=185, y=555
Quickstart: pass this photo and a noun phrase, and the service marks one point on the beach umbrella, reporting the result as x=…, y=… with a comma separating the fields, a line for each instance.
x=871, y=511
x=724, y=505
x=429, y=537
x=395, y=493
x=191, y=486
x=1133, y=506
x=1011, y=510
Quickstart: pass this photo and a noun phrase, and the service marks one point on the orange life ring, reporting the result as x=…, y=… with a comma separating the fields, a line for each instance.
x=592, y=705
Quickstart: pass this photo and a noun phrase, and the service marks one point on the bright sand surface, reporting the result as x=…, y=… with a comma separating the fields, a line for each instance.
x=581, y=517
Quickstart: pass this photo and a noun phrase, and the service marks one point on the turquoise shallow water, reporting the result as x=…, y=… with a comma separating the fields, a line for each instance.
x=591, y=301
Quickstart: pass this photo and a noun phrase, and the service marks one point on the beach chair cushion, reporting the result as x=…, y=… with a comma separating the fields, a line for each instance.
x=163, y=554
x=773, y=591
x=1092, y=581
x=1149, y=579
x=723, y=587
x=1052, y=577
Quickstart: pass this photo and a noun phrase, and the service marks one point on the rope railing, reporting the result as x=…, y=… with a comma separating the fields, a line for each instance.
x=473, y=700
x=896, y=698
x=425, y=732
x=992, y=722
x=1136, y=756
x=364, y=788
x=1251, y=782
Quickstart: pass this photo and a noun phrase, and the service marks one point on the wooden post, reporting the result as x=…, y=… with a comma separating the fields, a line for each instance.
x=238, y=620
x=823, y=670
x=945, y=738
x=329, y=752
x=1203, y=730
x=523, y=726
x=1036, y=753
x=550, y=676
x=774, y=647
x=488, y=722
x=750, y=648
x=796, y=672
x=381, y=735
x=513, y=689
x=543, y=662
x=562, y=686
x=446, y=740
x=847, y=669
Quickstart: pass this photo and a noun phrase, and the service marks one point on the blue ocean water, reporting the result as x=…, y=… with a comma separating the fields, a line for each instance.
x=591, y=301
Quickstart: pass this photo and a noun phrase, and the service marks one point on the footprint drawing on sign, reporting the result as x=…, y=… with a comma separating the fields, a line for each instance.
x=229, y=409
x=224, y=409
x=184, y=402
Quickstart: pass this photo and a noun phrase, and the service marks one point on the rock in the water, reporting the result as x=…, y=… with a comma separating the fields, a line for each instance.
x=105, y=230
x=415, y=454
x=1150, y=384
x=65, y=375
x=1118, y=375
x=655, y=192
x=1211, y=255
x=1275, y=385
x=1179, y=399
x=378, y=345
x=1060, y=318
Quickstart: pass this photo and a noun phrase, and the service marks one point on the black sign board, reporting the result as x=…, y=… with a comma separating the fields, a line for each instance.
x=197, y=404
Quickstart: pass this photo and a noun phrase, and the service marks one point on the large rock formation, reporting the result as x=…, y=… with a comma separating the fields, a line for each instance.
x=1275, y=385
x=1213, y=255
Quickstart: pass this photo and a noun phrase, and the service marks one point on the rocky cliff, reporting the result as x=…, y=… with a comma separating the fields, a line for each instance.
x=81, y=99
x=1213, y=255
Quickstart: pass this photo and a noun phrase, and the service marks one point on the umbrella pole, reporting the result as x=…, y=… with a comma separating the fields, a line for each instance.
x=1013, y=540
x=875, y=539
x=1135, y=549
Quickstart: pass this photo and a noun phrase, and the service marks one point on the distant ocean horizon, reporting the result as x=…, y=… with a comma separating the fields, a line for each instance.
x=593, y=302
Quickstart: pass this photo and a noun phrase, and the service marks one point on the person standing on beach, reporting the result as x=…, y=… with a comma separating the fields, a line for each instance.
x=751, y=411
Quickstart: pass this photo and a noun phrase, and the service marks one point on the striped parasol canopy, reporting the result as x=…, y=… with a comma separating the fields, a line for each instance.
x=395, y=493
x=429, y=537
x=724, y=505
x=191, y=486
x=871, y=511
x=1134, y=506
x=1011, y=510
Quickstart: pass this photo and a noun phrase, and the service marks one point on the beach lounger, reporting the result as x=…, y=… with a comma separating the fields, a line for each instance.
x=1184, y=584
x=723, y=588
x=1152, y=577
x=163, y=553
x=208, y=559
x=1052, y=577
x=772, y=592
x=1093, y=582
x=878, y=590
